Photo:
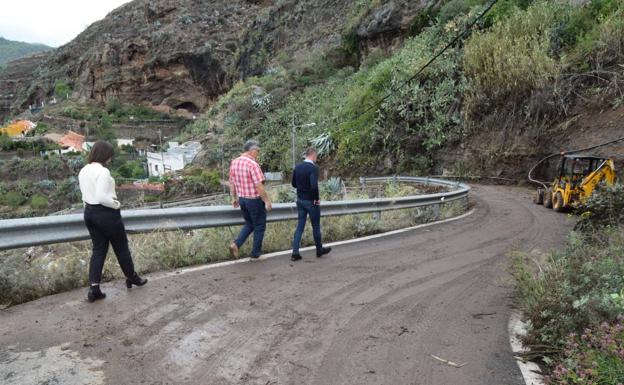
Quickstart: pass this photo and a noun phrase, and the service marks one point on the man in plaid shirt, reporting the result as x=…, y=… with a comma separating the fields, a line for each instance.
x=248, y=193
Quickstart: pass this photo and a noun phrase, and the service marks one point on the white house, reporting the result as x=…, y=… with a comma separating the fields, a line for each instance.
x=125, y=142
x=174, y=159
x=87, y=146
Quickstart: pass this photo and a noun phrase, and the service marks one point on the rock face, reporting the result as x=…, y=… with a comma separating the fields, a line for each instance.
x=297, y=28
x=182, y=54
x=16, y=78
x=160, y=53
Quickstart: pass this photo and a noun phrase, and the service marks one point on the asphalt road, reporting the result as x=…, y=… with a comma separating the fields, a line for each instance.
x=370, y=313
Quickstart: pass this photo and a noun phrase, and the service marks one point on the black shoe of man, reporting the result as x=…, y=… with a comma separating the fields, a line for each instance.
x=295, y=257
x=323, y=251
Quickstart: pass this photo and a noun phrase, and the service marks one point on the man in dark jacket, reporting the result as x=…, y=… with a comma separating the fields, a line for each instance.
x=305, y=180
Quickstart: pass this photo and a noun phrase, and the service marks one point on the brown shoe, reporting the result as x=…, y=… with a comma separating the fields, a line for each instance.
x=234, y=250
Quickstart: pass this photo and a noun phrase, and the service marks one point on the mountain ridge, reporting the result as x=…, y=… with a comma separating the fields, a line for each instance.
x=11, y=50
x=184, y=54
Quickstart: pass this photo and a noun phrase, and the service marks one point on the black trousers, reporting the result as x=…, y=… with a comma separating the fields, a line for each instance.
x=106, y=227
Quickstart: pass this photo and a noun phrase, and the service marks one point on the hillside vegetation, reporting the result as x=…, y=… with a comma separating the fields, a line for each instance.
x=513, y=81
x=574, y=302
x=11, y=50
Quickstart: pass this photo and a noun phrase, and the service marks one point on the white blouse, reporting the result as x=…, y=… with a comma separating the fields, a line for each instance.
x=98, y=186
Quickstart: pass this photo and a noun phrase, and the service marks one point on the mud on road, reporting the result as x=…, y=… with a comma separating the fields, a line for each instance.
x=370, y=313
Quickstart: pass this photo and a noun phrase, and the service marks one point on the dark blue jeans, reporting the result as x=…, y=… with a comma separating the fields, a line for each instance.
x=254, y=213
x=305, y=208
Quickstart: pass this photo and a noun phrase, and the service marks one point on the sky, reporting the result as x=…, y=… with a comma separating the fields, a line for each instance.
x=51, y=22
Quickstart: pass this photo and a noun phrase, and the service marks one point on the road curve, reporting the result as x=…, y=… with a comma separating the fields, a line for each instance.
x=370, y=313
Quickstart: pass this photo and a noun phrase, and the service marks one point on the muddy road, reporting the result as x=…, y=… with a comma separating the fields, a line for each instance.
x=371, y=312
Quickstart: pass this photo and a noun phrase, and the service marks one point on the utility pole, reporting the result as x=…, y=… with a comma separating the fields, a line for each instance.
x=223, y=167
x=294, y=161
x=162, y=159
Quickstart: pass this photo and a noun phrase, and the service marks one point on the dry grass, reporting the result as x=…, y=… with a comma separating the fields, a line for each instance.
x=27, y=274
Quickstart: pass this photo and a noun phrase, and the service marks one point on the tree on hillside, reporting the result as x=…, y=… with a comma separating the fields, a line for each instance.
x=62, y=90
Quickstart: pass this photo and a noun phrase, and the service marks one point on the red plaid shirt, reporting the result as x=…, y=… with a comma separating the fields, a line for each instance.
x=245, y=174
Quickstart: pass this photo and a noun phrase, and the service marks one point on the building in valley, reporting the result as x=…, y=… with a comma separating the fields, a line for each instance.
x=174, y=159
x=18, y=128
x=71, y=142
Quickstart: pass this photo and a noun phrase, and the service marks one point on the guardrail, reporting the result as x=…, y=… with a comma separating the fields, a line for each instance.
x=24, y=232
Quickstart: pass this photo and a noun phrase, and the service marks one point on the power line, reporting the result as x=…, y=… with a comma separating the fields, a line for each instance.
x=544, y=184
x=434, y=58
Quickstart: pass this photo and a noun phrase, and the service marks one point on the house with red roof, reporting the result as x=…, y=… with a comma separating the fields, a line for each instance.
x=71, y=142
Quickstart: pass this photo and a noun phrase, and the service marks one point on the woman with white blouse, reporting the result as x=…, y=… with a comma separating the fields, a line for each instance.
x=103, y=219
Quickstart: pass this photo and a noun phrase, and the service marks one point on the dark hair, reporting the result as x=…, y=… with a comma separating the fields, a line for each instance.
x=101, y=152
x=311, y=150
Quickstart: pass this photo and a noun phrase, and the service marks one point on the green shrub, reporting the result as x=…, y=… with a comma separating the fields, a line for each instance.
x=602, y=46
x=604, y=208
x=506, y=64
x=452, y=9
x=332, y=189
x=131, y=170
x=350, y=41
x=68, y=191
x=114, y=107
x=73, y=112
x=423, y=20
x=39, y=202
x=151, y=198
x=205, y=182
x=287, y=195
x=594, y=357
x=582, y=20
x=6, y=143
x=13, y=199
x=579, y=287
x=46, y=184
x=41, y=128
x=504, y=8
x=62, y=90
x=25, y=188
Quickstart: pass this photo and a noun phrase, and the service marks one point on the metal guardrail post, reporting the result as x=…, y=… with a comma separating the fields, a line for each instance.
x=436, y=211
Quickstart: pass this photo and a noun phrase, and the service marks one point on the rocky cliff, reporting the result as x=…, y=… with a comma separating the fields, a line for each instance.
x=182, y=54
x=14, y=80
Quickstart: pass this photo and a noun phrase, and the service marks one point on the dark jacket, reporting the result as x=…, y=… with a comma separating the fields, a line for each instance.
x=305, y=180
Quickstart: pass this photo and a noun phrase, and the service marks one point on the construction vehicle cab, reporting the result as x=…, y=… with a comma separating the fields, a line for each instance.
x=576, y=179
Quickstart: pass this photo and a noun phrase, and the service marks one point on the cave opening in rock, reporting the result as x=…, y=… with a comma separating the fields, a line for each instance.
x=189, y=106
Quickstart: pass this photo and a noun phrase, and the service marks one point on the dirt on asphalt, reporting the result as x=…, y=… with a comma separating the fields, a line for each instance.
x=371, y=312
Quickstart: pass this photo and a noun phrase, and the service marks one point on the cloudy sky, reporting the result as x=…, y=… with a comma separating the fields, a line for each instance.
x=52, y=22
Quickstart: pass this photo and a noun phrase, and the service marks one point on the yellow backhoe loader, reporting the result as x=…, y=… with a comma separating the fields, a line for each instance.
x=578, y=177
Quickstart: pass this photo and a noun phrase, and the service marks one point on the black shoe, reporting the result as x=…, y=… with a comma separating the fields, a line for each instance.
x=95, y=293
x=295, y=257
x=135, y=280
x=254, y=257
x=323, y=251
